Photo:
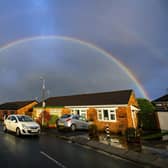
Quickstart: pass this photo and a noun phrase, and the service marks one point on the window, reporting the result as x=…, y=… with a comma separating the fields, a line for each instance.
x=158, y=104
x=83, y=114
x=100, y=115
x=66, y=116
x=79, y=111
x=9, y=118
x=112, y=115
x=24, y=118
x=108, y=114
x=76, y=117
x=13, y=118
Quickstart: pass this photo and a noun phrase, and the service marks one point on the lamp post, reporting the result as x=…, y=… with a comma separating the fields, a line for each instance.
x=43, y=100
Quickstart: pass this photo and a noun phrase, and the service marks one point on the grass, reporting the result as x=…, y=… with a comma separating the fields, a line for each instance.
x=154, y=136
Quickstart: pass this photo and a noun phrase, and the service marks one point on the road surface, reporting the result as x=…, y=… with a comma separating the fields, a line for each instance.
x=51, y=152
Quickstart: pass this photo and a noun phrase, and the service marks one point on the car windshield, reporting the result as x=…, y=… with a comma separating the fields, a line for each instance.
x=24, y=118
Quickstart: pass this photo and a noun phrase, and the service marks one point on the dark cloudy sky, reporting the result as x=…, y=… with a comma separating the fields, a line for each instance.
x=133, y=32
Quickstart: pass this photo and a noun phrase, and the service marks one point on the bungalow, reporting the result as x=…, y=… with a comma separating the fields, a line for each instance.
x=18, y=107
x=117, y=109
x=161, y=105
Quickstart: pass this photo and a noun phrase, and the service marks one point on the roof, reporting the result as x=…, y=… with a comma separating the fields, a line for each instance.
x=105, y=98
x=161, y=103
x=15, y=105
x=160, y=99
x=161, y=109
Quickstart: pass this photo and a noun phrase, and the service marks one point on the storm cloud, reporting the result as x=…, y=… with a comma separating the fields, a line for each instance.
x=134, y=32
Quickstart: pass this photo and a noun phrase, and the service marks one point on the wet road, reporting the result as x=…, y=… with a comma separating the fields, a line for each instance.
x=48, y=151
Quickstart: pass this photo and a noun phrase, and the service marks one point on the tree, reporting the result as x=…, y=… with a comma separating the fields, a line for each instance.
x=145, y=105
x=146, y=115
x=46, y=117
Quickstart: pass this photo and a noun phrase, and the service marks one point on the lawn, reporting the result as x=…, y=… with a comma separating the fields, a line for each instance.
x=154, y=135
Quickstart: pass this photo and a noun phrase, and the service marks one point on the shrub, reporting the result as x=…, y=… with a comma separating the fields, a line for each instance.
x=132, y=134
x=93, y=132
x=53, y=119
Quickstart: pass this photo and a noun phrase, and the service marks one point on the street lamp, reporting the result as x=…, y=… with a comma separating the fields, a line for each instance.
x=43, y=99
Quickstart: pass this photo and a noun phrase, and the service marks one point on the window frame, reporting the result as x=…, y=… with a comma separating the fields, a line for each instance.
x=81, y=111
x=110, y=111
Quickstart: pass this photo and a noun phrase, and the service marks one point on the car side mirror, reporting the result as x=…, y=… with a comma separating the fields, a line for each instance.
x=14, y=121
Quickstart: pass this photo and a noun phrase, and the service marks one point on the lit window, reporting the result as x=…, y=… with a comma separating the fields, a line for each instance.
x=99, y=114
x=79, y=111
x=158, y=104
x=83, y=114
x=112, y=115
x=106, y=114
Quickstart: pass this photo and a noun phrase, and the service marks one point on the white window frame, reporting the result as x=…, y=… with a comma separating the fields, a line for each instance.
x=100, y=112
x=82, y=111
x=134, y=110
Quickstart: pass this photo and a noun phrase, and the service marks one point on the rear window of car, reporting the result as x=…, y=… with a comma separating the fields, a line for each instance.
x=66, y=116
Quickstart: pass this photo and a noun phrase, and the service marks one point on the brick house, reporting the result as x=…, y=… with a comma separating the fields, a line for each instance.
x=117, y=109
x=18, y=107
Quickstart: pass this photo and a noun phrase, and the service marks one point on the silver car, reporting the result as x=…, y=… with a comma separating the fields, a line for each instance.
x=72, y=121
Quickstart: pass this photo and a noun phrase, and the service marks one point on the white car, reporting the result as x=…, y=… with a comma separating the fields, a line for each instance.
x=21, y=124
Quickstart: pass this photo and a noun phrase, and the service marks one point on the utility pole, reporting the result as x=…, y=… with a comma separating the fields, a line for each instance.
x=43, y=100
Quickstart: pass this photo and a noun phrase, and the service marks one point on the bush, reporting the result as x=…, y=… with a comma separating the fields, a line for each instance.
x=93, y=132
x=132, y=134
x=53, y=119
x=146, y=116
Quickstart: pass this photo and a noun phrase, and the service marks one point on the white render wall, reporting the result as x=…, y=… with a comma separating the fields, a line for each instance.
x=163, y=120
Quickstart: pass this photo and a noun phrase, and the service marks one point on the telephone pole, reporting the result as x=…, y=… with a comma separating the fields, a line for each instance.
x=43, y=100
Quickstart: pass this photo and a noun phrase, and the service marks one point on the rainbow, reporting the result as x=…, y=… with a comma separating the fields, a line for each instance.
x=87, y=44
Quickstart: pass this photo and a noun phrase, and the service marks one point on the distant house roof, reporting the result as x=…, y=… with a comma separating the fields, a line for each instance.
x=15, y=105
x=105, y=98
x=161, y=103
x=161, y=99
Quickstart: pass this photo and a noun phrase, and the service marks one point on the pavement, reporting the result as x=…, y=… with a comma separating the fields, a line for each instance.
x=153, y=154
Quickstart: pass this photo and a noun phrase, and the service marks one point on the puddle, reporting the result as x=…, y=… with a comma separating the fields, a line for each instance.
x=119, y=142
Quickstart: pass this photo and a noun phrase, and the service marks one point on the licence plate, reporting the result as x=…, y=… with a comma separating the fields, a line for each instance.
x=33, y=131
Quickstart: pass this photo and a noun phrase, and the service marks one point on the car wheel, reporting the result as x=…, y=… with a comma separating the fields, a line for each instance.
x=4, y=128
x=18, y=132
x=73, y=127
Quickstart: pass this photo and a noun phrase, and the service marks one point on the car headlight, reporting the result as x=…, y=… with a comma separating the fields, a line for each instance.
x=24, y=126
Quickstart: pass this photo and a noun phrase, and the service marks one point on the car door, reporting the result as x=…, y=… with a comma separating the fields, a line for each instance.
x=13, y=123
x=8, y=123
x=83, y=123
x=77, y=122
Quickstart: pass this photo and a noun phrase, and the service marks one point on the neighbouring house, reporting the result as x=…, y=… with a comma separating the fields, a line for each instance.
x=117, y=109
x=18, y=107
x=161, y=108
